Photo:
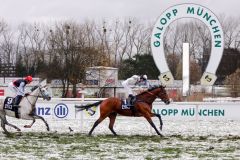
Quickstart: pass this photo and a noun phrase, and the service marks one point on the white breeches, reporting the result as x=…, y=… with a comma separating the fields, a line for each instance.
x=14, y=89
x=127, y=87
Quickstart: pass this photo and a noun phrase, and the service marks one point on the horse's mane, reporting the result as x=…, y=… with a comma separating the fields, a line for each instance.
x=34, y=87
x=151, y=89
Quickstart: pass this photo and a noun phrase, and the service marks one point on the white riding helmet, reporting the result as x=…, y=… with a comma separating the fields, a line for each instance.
x=144, y=77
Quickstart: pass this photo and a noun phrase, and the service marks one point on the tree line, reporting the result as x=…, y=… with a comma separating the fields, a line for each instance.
x=63, y=50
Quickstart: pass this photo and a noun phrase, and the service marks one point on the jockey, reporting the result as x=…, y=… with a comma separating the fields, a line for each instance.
x=134, y=80
x=18, y=87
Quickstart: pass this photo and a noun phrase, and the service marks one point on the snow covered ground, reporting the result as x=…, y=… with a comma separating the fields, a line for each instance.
x=136, y=140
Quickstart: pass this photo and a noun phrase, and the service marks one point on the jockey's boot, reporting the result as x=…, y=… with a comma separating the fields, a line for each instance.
x=130, y=100
x=130, y=103
x=16, y=102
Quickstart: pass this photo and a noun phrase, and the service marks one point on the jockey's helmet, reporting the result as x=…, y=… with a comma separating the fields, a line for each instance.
x=28, y=79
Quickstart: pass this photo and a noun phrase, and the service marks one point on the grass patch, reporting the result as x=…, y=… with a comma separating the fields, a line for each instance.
x=73, y=146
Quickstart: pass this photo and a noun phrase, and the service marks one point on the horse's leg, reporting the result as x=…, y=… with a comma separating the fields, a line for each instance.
x=4, y=122
x=18, y=129
x=30, y=125
x=146, y=112
x=39, y=117
x=112, y=118
x=149, y=119
x=3, y=126
x=160, y=119
x=100, y=119
x=95, y=125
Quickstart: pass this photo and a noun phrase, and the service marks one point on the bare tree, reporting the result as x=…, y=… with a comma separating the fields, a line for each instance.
x=7, y=47
x=231, y=29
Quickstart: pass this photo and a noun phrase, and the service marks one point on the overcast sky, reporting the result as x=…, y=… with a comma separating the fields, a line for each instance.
x=18, y=11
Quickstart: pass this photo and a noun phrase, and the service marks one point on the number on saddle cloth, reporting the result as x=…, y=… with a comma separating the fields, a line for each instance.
x=125, y=105
x=8, y=103
x=128, y=103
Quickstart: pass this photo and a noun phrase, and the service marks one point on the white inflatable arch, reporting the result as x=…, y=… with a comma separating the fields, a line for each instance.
x=187, y=10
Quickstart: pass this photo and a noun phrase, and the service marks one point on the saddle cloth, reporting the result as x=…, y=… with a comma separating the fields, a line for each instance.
x=8, y=103
x=125, y=104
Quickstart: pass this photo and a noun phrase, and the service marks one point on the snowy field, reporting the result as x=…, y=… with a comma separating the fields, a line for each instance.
x=136, y=140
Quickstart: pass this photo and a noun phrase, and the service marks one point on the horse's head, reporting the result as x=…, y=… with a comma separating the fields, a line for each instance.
x=44, y=93
x=161, y=93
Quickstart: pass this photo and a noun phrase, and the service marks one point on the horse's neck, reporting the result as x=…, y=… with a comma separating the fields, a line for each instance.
x=33, y=96
x=147, y=97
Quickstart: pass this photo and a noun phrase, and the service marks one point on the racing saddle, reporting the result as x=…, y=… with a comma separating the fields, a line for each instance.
x=9, y=105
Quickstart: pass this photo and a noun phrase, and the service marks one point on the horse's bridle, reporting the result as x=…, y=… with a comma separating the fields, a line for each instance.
x=34, y=96
x=156, y=95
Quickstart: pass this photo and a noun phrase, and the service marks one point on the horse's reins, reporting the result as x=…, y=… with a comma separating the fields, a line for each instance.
x=152, y=94
x=34, y=96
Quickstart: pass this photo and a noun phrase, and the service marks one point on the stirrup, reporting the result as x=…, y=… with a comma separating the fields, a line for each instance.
x=18, y=106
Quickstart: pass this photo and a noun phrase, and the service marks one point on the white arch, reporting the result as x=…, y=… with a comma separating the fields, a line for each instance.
x=188, y=10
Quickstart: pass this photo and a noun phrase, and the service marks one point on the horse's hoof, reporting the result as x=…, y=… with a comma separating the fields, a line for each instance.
x=19, y=134
x=160, y=127
x=19, y=130
x=27, y=126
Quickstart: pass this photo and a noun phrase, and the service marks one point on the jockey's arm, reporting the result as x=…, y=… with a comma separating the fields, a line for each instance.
x=21, y=88
x=148, y=84
x=139, y=89
x=144, y=83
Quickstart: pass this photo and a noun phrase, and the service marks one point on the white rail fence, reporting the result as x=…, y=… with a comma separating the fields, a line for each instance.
x=63, y=109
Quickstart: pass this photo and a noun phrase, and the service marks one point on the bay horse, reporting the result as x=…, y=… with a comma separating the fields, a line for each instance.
x=26, y=110
x=112, y=106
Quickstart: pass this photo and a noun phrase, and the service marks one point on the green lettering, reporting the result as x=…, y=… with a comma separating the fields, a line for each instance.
x=218, y=43
x=168, y=15
x=215, y=29
x=199, y=12
x=160, y=28
x=175, y=111
x=190, y=10
x=217, y=36
x=210, y=112
x=211, y=22
x=158, y=35
x=164, y=112
x=221, y=112
x=207, y=16
x=156, y=43
x=157, y=111
x=163, y=21
x=184, y=112
x=175, y=12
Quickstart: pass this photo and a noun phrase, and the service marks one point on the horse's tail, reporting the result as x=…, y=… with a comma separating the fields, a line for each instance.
x=88, y=107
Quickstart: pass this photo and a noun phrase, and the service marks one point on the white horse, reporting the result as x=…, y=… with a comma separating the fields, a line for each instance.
x=26, y=110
